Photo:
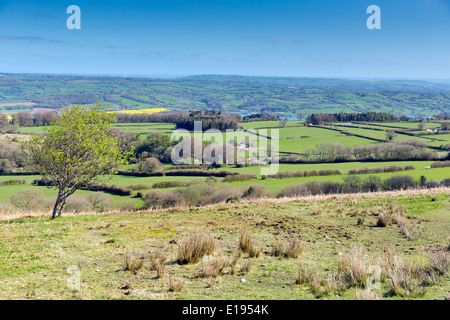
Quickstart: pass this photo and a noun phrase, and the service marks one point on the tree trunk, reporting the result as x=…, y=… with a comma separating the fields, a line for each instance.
x=59, y=205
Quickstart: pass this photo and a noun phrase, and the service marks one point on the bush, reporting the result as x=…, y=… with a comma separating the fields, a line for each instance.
x=13, y=182
x=372, y=184
x=76, y=204
x=139, y=186
x=298, y=190
x=255, y=191
x=28, y=200
x=100, y=201
x=445, y=182
x=169, y=184
x=163, y=199
x=399, y=183
x=440, y=164
x=240, y=177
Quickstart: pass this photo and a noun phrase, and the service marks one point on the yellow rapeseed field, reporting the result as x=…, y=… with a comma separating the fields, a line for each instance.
x=148, y=111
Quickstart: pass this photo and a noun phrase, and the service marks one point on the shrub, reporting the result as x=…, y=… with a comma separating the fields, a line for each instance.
x=239, y=177
x=100, y=201
x=139, y=186
x=163, y=199
x=294, y=191
x=127, y=205
x=76, y=204
x=169, y=184
x=445, y=182
x=372, y=184
x=440, y=164
x=194, y=248
x=255, y=191
x=13, y=182
x=27, y=200
x=399, y=183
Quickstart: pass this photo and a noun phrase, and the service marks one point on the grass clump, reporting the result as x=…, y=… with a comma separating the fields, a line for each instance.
x=247, y=245
x=293, y=249
x=130, y=264
x=194, y=248
x=175, y=285
x=158, y=264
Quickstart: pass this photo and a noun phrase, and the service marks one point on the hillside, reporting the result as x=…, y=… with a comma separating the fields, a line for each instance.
x=333, y=236
x=283, y=96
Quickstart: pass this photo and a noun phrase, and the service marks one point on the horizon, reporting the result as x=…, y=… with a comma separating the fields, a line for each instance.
x=172, y=76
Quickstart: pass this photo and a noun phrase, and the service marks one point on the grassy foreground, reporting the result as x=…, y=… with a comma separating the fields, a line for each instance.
x=35, y=251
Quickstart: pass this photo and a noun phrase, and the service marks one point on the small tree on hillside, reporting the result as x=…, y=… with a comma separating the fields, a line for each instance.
x=78, y=148
x=390, y=135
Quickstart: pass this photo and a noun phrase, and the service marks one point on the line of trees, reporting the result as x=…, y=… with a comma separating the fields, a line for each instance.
x=319, y=118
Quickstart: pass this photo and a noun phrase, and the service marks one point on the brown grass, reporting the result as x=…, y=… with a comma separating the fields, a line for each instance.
x=245, y=268
x=130, y=264
x=175, y=285
x=193, y=248
x=383, y=220
x=247, y=245
x=215, y=267
x=158, y=264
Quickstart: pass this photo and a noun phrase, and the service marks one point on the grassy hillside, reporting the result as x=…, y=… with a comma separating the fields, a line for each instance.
x=36, y=251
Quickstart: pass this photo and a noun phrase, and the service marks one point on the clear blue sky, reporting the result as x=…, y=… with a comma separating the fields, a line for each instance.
x=314, y=38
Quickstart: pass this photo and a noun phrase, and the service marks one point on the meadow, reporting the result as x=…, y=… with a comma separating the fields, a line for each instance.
x=137, y=255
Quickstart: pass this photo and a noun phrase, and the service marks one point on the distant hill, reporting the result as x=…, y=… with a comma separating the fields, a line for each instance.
x=243, y=94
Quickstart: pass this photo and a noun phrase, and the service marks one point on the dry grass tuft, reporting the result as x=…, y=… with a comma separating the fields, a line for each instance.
x=234, y=260
x=175, y=285
x=245, y=268
x=246, y=245
x=158, y=264
x=129, y=264
x=383, y=220
x=215, y=267
x=354, y=268
x=294, y=249
x=440, y=262
x=193, y=248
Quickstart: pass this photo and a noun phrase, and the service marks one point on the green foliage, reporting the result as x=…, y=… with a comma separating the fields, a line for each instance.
x=77, y=149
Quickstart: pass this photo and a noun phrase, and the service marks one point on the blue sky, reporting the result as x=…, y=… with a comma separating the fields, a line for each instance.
x=249, y=37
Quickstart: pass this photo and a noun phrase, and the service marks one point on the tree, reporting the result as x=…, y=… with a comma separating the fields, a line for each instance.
x=300, y=116
x=421, y=126
x=77, y=149
x=390, y=135
x=283, y=122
